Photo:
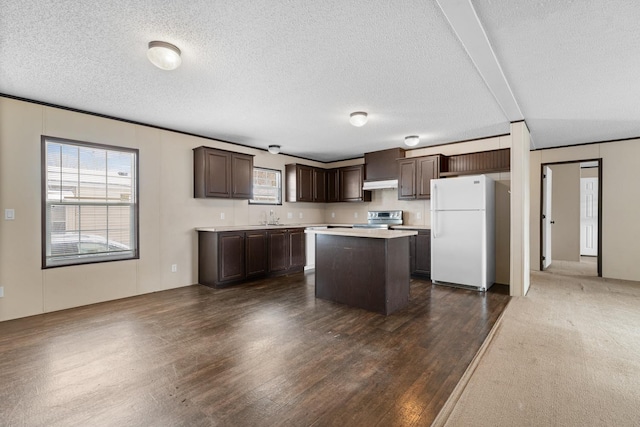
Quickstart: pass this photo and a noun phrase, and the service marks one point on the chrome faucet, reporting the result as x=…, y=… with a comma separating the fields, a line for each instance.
x=263, y=218
x=273, y=220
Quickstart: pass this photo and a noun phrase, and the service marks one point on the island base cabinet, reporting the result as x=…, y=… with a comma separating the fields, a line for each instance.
x=367, y=273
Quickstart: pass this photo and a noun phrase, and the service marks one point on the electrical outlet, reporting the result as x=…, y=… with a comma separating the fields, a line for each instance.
x=174, y=268
x=300, y=215
x=1, y=291
x=9, y=214
x=333, y=214
x=355, y=214
x=419, y=215
x=289, y=215
x=221, y=215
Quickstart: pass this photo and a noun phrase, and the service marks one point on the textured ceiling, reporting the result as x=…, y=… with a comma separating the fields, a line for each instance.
x=290, y=72
x=573, y=65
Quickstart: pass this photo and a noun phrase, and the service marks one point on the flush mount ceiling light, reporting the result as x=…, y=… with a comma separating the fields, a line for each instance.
x=164, y=55
x=274, y=149
x=358, y=118
x=412, y=140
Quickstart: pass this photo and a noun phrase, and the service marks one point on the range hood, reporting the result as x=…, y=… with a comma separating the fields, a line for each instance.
x=378, y=185
x=381, y=169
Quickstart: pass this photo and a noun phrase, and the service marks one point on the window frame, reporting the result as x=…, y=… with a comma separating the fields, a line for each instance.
x=95, y=259
x=251, y=202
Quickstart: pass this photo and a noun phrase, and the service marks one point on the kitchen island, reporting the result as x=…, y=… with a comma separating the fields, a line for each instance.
x=364, y=268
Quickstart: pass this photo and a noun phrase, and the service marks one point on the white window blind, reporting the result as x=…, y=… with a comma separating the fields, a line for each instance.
x=267, y=187
x=90, y=205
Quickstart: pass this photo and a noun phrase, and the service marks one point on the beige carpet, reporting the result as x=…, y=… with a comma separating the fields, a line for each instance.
x=568, y=354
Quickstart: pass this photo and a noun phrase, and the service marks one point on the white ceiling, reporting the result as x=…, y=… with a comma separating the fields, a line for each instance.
x=289, y=72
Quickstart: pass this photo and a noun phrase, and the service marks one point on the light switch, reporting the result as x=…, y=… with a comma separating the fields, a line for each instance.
x=221, y=215
x=300, y=215
x=289, y=215
x=9, y=214
x=333, y=214
x=419, y=216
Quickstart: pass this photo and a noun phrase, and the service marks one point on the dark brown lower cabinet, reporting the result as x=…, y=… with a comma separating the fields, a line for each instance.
x=420, y=254
x=256, y=253
x=221, y=257
x=286, y=251
x=278, y=251
x=297, y=249
x=230, y=257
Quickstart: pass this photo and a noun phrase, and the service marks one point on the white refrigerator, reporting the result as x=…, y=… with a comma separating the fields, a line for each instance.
x=462, y=231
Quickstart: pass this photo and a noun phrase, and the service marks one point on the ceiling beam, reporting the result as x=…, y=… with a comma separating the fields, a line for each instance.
x=465, y=23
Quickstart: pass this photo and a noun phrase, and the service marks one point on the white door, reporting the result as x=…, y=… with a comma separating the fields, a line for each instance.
x=458, y=243
x=589, y=216
x=546, y=216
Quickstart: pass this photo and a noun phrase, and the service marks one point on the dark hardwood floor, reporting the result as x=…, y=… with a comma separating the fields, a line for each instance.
x=260, y=354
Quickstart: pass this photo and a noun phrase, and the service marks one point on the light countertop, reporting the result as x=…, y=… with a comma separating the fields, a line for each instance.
x=372, y=233
x=411, y=227
x=340, y=227
x=265, y=227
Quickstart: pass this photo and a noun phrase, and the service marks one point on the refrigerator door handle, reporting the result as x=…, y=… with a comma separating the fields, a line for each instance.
x=434, y=200
x=435, y=225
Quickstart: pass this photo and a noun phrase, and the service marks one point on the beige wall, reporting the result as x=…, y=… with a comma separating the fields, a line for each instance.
x=168, y=212
x=620, y=229
x=565, y=212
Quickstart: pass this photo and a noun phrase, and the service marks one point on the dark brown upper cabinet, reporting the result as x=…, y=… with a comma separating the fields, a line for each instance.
x=427, y=168
x=415, y=175
x=309, y=184
x=382, y=165
x=305, y=183
x=491, y=161
x=345, y=185
x=407, y=179
x=351, y=181
x=319, y=185
x=241, y=176
x=333, y=185
x=220, y=173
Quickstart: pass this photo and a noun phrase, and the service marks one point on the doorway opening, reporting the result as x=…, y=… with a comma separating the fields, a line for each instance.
x=571, y=217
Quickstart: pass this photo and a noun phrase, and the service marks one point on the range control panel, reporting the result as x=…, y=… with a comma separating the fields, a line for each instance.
x=384, y=217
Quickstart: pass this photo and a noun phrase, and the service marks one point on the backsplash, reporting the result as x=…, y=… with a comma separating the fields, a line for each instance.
x=415, y=212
